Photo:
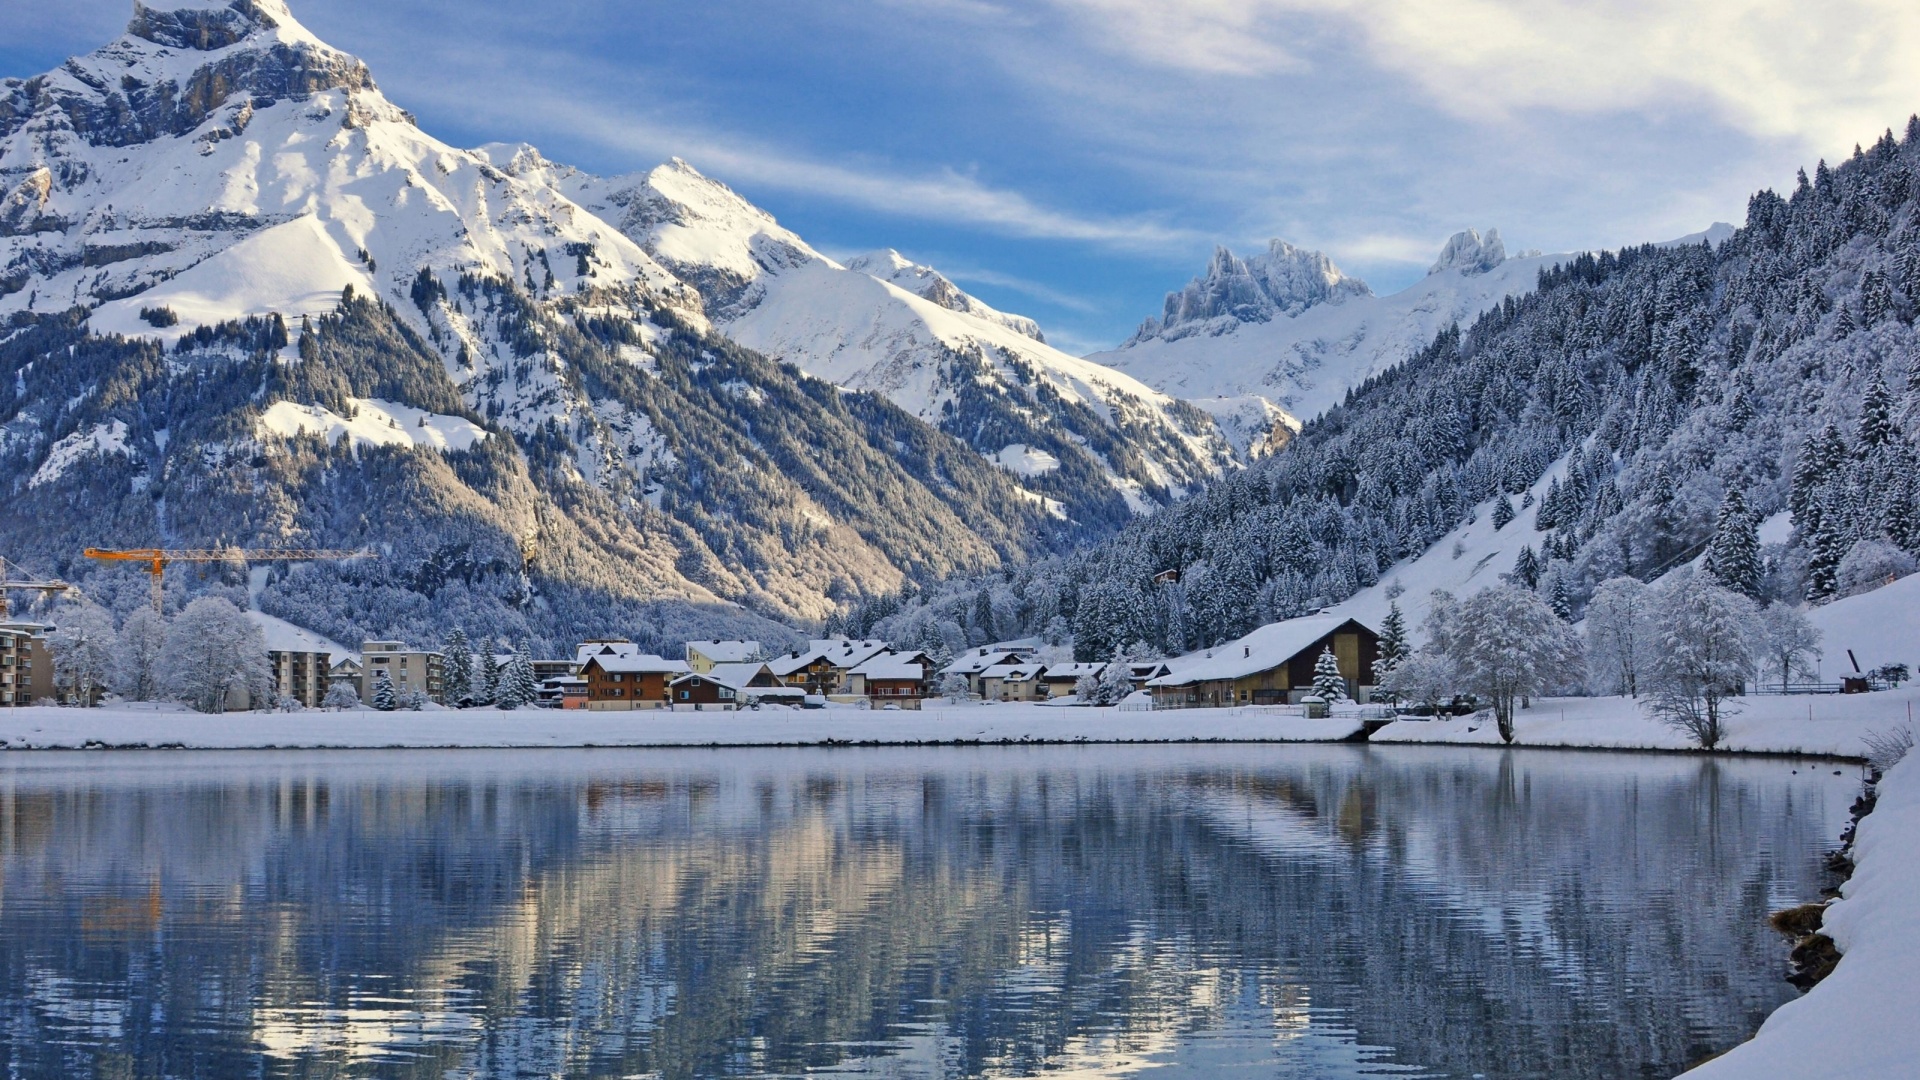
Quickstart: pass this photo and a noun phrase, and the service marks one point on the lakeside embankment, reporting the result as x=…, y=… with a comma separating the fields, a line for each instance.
x=1824, y=726
x=1858, y=1022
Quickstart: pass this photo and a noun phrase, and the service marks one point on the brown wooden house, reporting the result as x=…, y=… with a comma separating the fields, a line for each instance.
x=1274, y=665
x=628, y=680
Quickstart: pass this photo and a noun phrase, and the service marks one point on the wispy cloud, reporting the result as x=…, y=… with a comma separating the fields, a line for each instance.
x=974, y=275
x=942, y=194
x=1771, y=67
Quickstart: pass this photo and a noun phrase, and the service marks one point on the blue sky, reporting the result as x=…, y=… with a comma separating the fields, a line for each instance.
x=1076, y=159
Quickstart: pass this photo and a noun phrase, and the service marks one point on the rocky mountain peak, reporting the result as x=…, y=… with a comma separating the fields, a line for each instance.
x=1283, y=281
x=205, y=25
x=1471, y=253
x=929, y=284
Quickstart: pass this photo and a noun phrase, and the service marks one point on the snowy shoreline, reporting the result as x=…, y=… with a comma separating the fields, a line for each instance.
x=1858, y=1021
x=1832, y=727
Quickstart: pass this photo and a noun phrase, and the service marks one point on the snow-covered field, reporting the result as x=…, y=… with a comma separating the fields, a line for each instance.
x=1796, y=725
x=1827, y=724
x=1859, y=1022
x=55, y=728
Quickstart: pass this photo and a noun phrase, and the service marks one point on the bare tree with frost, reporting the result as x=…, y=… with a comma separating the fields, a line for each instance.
x=1705, y=656
x=213, y=652
x=1507, y=644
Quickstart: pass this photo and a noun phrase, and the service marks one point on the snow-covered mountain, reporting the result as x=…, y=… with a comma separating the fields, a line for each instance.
x=245, y=299
x=1242, y=349
x=884, y=324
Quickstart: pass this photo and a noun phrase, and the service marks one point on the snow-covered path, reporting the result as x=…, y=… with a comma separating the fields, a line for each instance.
x=1859, y=1023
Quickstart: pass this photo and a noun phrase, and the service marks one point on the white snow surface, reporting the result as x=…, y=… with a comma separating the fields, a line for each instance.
x=293, y=269
x=1858, y=1023
x=53, y=728
x=373, y=423
x=108, y=438
x=283, y=636
x=1304, y=364
x=1023, y=460
x=1881, y=627
x=1831, y=724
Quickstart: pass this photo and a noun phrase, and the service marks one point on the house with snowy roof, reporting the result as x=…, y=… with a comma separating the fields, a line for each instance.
x=1061, y=680
x=1272, y=666
x=732, y=686
x=703, y=655
x=892, y=678
x=971, y=664
x=823, y=666
x=621, y=680
x=1013, y=682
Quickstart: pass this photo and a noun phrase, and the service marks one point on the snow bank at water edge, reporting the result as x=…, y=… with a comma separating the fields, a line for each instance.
x=169, y=726
x=1831, y=725
x=1859, y=1021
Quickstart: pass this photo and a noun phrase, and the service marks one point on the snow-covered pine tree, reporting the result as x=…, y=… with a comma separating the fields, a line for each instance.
x=1526, y=567
x=488, y=692
x=456, y=680
x=1394, y=646
x=1733, y=554
x=384, y=698
x=1327, y=682
x=1559, y=599
x=518, y=688
x=1502, y=512
x=1087, y=688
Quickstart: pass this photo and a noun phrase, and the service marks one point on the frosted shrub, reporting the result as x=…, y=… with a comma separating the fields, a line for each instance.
x=1886, y=748
x=1870, y=564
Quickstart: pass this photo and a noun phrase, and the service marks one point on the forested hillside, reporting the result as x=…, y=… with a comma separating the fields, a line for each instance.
x=1782, y=364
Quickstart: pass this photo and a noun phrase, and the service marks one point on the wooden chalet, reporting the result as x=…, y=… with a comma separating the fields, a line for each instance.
x=892, y=678
x=1274, y=665
x=618, y=680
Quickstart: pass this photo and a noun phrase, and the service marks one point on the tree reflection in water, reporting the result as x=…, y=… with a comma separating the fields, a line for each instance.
x=1314, y=911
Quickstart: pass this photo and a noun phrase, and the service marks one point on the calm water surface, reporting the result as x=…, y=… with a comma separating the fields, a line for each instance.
x=1217, y=911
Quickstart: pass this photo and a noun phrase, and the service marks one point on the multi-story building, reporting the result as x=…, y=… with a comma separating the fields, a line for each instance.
x=26, y=672
x=302, y=676
x=411, y=670
x=620, y=680
x=703, y=655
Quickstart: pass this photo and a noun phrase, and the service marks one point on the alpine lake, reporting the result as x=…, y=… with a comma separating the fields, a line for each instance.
x=1324, y=911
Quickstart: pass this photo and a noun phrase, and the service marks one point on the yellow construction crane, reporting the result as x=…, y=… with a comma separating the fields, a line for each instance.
x=158, y=558
x=23, y=582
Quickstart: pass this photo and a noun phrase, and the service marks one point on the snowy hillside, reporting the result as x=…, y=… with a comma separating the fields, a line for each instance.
x=884, y=324
x=1301, y=356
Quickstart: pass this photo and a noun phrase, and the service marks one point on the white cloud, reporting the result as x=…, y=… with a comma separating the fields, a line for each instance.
x=1824, y=73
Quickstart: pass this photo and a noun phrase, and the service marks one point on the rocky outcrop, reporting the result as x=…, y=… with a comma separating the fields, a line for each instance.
x=1284, y=281
x=1471, y=253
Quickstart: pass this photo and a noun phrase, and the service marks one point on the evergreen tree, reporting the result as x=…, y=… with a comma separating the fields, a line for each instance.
x=1502, y=512
x=489, y=689
x=1394, y=647
x=383, y=695
x=518, y=687
x=1327, y=683
x=1733, y=555
x=1828, y=547
x=1876, y=418
x=1559, y=600
x=456, y=680
x=1526, y=568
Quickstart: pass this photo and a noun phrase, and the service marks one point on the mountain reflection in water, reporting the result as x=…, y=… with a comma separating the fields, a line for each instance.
x=1323, y=911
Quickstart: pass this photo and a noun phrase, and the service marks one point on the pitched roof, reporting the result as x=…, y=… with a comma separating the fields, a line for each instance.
x=726, y=652
x=636, y=664
x=739, y=689
x=1074, y=671
x=740, y=675
x=975, y=661
x=1263, y=650
x=587, y=650
x=838, y=652
x=894, y=666
x=1013, y=672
